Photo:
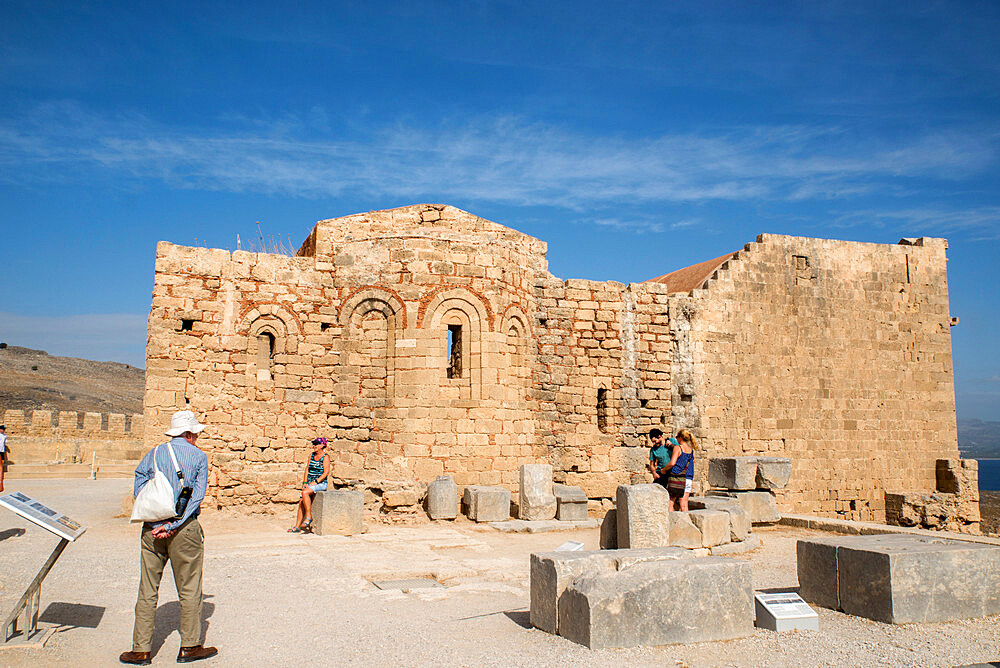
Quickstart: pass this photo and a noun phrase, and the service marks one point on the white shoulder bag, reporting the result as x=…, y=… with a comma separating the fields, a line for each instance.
x=156, y=500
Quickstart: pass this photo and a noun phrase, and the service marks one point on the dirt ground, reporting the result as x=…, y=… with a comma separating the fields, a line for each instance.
x=278, y=599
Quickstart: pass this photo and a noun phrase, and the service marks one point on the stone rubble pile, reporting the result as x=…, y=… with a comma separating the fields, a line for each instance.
x=953, y=507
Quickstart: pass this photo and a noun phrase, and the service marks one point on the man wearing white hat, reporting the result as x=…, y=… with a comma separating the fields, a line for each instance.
x=179, y=540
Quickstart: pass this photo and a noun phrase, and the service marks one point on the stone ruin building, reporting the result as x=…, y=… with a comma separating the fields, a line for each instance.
x=425, y=341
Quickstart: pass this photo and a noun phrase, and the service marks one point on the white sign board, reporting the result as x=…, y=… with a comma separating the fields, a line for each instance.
x=42, y=515
x=784, y=611
x=570, y=546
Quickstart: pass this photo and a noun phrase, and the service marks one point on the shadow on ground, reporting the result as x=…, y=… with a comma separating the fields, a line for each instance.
x=168, y=620
x=72, y=615
x=11, y=533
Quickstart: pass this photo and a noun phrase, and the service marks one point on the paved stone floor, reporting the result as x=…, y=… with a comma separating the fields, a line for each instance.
x=278, y=599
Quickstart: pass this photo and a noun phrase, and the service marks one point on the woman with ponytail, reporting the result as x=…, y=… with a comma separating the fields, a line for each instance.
x=681, y=470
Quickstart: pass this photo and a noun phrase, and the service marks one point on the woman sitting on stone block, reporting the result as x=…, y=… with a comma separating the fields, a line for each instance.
x=681, y=470
x=314, y=481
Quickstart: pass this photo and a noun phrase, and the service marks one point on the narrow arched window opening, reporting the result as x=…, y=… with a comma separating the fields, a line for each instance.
x=602, y=409
x=265, y=355
x=454, y=351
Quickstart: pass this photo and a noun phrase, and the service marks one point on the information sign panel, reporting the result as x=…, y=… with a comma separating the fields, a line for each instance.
x=42, y=515
x=784, y=611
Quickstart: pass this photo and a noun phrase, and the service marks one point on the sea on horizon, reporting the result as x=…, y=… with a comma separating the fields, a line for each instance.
x=989, y=475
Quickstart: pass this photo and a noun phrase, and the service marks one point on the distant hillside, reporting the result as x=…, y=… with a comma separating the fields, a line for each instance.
x=978, y=439
x=33, y=379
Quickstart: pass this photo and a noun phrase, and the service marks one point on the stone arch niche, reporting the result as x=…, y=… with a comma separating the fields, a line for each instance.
x=455, y=324
x=271, y=332
x=514, y=329
x=370, y=320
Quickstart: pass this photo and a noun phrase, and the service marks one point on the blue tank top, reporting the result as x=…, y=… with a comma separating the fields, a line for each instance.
x=315, y=469
x=684, y=461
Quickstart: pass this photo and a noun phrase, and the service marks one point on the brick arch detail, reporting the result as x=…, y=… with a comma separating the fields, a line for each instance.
x=372, y=293
x=432, y=302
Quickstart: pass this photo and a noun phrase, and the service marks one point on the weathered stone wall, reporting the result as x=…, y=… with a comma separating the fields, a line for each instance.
x=836, y=354
x=603, y=378
x=41, y=436
x=352, y=343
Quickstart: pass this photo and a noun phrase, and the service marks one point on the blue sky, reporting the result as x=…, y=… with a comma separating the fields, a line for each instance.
x=635, y=138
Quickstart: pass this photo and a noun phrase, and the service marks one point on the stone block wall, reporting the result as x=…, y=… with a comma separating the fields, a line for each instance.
x=41, y=436
x=836, y=354
x=426, y=341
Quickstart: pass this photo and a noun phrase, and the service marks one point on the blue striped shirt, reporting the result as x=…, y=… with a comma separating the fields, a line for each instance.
x=194, y=466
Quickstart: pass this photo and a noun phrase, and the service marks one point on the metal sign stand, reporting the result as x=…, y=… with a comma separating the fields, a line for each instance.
x=31, y=600
x=29, y=604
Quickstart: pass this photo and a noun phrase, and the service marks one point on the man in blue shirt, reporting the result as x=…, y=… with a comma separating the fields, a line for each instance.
x=660, y=451
x=179, y=540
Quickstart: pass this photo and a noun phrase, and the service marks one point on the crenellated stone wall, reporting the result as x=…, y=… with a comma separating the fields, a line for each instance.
x=425, y=341
x=43, y=436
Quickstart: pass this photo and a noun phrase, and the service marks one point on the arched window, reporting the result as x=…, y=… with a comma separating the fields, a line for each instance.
x=265, y=355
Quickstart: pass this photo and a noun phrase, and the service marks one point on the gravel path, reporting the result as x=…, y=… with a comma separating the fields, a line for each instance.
x=276, y=599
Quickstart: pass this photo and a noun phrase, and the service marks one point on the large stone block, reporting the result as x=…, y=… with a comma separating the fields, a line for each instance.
x=733, y=472
x=759, y=505
x=486, y=504
x=739, y=519
x=609, y=530
x=773, y=472
x=442, y=498
x=552, y=572
x=816, y=563
x=713, y=525
x=902, y=578
x=643, y=516
x=338, y=511
x=684, y=532
x=536, y=499
x=659, y=603
x=571, y=503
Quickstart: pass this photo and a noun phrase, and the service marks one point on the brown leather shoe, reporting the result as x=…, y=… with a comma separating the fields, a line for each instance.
x=137, y=658
x=196, y=653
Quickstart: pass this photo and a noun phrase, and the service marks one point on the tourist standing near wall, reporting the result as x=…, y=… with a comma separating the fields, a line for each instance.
x=179, y=540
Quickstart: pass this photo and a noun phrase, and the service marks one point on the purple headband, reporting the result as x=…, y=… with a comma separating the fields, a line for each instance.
x=319, y=440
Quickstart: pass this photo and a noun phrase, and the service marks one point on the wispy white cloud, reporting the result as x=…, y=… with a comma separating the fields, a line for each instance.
x=117, y=337
x=506, y=160
x=982, y=223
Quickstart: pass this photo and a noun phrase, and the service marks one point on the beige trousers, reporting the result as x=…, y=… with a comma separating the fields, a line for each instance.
x=185, y=551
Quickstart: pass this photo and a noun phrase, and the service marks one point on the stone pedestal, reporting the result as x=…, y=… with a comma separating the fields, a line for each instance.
x=901, y=578
x=338, y=511
x=442, y=498
x=571, y=503
x=486, y=504
x=536, y=499
x=659, y=603
x=643, y=516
